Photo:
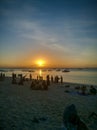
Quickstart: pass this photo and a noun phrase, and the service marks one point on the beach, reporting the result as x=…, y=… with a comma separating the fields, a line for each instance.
x=20, y=106
x=48, y=65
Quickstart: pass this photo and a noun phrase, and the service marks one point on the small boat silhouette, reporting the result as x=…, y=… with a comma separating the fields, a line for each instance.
x=31, y=71
x=58, y=69
x=66, y=70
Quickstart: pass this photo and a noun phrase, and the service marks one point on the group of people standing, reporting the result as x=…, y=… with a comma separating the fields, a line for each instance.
x=20, y=77
x=39, y=83
x=2, y=76
x=55, y=79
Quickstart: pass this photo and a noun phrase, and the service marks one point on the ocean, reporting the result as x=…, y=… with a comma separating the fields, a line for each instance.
x=84, y=76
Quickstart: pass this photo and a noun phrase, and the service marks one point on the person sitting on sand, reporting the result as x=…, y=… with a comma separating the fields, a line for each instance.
x=21, y=79
x=92, y=114
x=40, y=78
x=32, y=85
x=71, y=119
x=93, y=90
x=83, y=89
x=45, y=86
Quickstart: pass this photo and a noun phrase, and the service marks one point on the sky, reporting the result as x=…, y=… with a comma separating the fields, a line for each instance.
x=63, y=33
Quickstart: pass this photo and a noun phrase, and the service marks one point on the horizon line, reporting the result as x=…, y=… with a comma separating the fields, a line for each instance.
x=53, y=67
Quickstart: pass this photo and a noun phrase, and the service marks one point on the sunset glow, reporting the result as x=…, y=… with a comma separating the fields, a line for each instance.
x=40, y=63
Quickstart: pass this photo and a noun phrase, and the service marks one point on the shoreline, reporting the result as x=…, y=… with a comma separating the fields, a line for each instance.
x=72, y=83
x=74, y=76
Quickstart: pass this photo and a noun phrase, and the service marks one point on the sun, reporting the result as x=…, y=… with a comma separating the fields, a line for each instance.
x=40, y=63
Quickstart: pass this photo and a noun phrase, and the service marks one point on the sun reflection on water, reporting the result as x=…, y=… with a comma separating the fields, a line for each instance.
x=40, y=72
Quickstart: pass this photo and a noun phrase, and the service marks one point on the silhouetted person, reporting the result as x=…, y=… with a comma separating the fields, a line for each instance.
x=21, y=80
x=40, y=78
x=70, y=116
x=37, y=77
x=61, y=79
x=93, y=90
x=83, y=89
x=92, y=115
x=30, y=76
x=45, y=86
x=52, y=80
x=71, y=119
x=1, y=76
x=14, y=78
x=48, y=80
x=56, y=79
x=32, y=85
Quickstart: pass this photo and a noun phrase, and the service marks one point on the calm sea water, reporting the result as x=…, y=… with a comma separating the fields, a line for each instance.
x=83, y=76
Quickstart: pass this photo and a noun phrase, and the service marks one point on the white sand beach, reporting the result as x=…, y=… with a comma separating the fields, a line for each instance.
x=19, y=105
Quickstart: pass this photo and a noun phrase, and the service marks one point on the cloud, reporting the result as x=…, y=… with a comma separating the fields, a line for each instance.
x=36, y=34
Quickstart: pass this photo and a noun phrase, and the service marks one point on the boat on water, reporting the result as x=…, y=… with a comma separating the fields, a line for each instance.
x=58, y=69
x=31, y=71
x=3, y=70
x=66, y=70
x=80, y=68
x=44, y=70
x=25, y=70
x=49, y=70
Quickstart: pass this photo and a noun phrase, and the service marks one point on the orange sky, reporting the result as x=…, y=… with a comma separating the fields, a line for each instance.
x=49, y=61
